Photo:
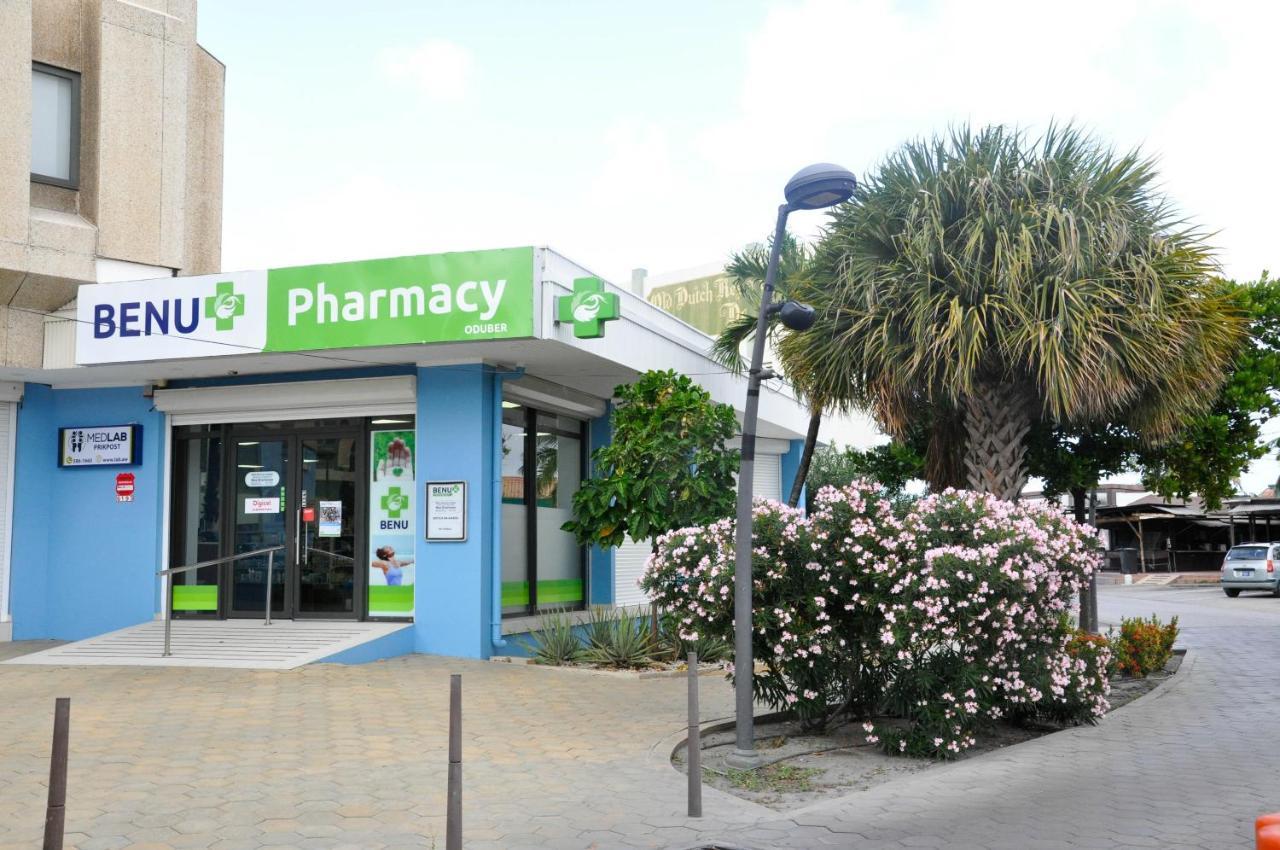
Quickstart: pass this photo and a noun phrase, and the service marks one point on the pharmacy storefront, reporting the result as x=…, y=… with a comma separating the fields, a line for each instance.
x=391, y=440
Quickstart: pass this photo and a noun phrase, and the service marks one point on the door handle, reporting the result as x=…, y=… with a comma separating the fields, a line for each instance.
x=297, y=537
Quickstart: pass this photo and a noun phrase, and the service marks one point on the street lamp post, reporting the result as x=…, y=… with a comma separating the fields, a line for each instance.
x=816, y=187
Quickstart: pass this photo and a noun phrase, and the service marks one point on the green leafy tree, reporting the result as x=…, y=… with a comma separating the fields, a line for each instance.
x=665, y=468
x=891, y=466
x=1074, y=459
x=1212, y=449
x=994, y=282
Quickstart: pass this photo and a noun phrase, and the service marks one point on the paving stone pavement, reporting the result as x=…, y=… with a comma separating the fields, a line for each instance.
x=329, y=756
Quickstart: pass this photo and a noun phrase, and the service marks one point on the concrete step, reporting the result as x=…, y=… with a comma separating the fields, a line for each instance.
x=283, y=645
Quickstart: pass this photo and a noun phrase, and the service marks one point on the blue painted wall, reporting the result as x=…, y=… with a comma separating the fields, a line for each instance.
x=399, y=642
x=454, y=580
x=84, y=563
x=790, y=467
x=600, y=580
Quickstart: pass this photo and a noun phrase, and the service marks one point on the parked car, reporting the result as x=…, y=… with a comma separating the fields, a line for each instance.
x=1251, y=566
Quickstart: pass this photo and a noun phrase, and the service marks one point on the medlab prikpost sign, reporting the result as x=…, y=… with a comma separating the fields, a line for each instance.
x=454, y=297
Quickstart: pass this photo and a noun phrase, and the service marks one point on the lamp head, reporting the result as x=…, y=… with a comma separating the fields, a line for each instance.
x=818, y=186
x=797, y=316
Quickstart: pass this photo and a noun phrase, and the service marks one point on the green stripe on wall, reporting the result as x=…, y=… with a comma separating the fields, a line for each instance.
x=195, y=597
x=557, y=591
x=391, y=601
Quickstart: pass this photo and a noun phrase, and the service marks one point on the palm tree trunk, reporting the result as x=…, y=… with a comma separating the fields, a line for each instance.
x=996, y=422
x=944, y=453
x=806, y=455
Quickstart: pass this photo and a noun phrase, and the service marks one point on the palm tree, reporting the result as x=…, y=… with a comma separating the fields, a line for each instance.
x=989, y=281
x=746, y=269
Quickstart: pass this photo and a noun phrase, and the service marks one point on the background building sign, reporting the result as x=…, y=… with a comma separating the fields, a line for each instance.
x=447, y=510
x=391, y=523
x=99, y=445
x=454, y=297
x=709, y=303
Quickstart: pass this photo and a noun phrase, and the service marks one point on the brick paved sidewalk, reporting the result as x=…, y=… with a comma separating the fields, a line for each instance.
x=331, y=756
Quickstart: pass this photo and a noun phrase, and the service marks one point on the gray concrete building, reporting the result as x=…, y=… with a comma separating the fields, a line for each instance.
x=111, y=121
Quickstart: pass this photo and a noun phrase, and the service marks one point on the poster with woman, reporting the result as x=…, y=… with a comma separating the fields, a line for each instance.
x=391, y=524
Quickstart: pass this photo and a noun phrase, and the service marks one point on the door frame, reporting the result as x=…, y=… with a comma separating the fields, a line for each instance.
x=293, y=433
x=230, y=487
x=359, y=583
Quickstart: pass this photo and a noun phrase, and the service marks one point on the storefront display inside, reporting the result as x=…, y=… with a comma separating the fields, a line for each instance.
x=335, y=494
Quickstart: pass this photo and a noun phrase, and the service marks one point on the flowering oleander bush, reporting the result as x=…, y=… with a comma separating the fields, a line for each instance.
x=1143, y=646
x=930, y=623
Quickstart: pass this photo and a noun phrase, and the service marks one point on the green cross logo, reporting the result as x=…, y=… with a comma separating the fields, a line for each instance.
x=394, y=501
x=224, y=306
x=588, y=308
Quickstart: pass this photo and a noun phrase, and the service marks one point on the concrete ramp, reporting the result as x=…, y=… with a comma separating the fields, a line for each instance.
x=283, y=645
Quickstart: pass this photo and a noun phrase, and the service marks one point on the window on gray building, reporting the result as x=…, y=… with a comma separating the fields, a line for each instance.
x=55, y=125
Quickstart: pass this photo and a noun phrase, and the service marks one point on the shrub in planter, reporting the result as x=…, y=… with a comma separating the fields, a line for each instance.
x=1143, y=646
x=710, y=649
x=618, y=639
x=942, y=618
x=556, y=642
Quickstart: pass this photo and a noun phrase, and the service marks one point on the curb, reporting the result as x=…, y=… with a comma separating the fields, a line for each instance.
x=634, y=675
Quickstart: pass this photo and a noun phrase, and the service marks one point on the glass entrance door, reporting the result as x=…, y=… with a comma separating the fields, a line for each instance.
x=299, y=485
x=262, y=519
x=326, y=556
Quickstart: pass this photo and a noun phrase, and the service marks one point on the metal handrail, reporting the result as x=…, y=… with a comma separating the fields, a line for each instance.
x=215, y=561
x=270, y=552
x=330, y=555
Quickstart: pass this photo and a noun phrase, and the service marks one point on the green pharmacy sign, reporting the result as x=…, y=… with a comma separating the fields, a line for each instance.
x=225, y=305
x=588, y=308
x=452, y=297
x=393, y=502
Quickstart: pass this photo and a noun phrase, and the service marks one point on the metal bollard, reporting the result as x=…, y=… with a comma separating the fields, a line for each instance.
x=453, y=816
x=693, y=745
x=56, y=814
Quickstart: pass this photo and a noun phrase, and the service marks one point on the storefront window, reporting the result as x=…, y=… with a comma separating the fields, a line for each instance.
x=515, y=548
x=559, y=474
x=199, y=523
x=543, y=567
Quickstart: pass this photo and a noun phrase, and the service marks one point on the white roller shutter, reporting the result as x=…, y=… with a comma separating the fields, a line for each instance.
x=396, y=395
x=628, y=566
x=767, y=477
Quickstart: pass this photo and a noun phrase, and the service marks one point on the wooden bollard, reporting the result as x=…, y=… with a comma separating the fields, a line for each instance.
x=693, y=744
x=453, y=816
x=56, y=814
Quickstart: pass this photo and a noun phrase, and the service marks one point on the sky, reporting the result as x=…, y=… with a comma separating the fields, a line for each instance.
x=660, y=134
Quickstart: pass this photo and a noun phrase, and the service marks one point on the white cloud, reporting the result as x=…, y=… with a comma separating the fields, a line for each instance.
x=848, y=80
x=440, y=69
